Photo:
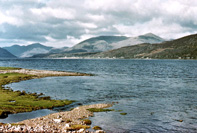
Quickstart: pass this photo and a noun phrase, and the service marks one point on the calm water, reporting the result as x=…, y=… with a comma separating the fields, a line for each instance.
x=153, y=93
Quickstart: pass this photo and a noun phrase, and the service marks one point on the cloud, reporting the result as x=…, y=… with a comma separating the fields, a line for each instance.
x=65, y=23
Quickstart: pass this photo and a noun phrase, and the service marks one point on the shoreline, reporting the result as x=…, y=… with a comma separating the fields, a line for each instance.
x=43, y=73
x=57, y=122
x=68, y=121
x=13, y=102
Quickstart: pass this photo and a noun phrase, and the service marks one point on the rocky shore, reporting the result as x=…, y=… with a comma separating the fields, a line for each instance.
x=69, y=121
x=26, y=102
x=62, y=122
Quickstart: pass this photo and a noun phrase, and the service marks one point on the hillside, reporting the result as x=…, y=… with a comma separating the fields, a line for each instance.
x=105, y=43
x=5, y=54
x=183, y=48
x=29, y=50
x=96, y=44
x=146, y=38
x=58, y=50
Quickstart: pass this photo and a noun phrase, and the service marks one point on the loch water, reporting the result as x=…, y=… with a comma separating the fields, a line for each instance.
x=155, y=94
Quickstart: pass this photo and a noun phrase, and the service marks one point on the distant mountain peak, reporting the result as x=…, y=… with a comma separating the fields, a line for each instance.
x=96, y=44
x=5, y=54
x=29, y=50
x=152, y=36
x=38, y=44
x=149, y=34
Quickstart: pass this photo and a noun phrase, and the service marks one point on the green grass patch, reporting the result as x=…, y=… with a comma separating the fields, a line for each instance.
x=16, y=101
x=78, y=127
x=97, y=128
x=123, y=113
x=87, y=121
x=13, y=77
x=9, y=68
x=100, y=110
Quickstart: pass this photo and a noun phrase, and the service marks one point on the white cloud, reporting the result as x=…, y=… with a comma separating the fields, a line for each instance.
x=57, y=13
x=87, y=25
x=156, y=26
x=69, y=41
x=4, y=18
x=95, y=17
x=65, y=23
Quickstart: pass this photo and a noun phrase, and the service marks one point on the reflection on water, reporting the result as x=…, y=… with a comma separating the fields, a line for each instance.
x=29, y=115
x=155, y=94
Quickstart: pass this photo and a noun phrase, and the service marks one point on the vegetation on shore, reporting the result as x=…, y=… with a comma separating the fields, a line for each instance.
x=123, y=113
x=99, y=110
x=9, y=68
x=17, y=101
x=97, y=128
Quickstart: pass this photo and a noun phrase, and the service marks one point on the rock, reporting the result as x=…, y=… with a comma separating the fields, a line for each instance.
x=87, y=122
x=59, y=117
x=81, y=130
x=17, y=129
x=67, y=125
x=9, y=125
x=97, y=128
x=99, y=131
x=57, y=120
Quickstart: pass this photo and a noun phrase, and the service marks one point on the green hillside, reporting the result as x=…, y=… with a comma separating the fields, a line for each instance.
x=183, y=48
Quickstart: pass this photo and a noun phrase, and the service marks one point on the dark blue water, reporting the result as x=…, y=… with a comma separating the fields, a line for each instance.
x=155, y=94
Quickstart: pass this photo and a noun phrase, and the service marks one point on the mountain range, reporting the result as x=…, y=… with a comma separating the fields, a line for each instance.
x=96, y=44
x=182, y=48
x=101, y=44
x=29, y=50
x=5, y=54
x=143, y=46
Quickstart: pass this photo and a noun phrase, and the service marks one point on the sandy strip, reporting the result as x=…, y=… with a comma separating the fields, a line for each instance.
x=44, y=73
x=58, y=122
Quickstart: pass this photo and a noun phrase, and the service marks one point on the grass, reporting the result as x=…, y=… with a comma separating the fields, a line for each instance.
x=123, y=113
x=97, y=128
x=16, y=101
x=9, y=68
x=13, y=77
x=87, y=121
x=77, y=127
x=100, y=110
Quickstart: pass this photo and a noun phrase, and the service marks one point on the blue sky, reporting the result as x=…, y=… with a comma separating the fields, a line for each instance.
x=62, y=23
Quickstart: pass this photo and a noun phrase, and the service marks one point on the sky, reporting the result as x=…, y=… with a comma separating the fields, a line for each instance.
x=61, y=23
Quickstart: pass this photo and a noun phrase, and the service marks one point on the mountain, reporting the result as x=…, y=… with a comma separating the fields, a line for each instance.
x=58, y=50
x=5, y=54
x=147, y=38
x=96, y=44
x=51, y=53
x=102, y=43
x=182, y=48
x=105, y=43
x=29, y=50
